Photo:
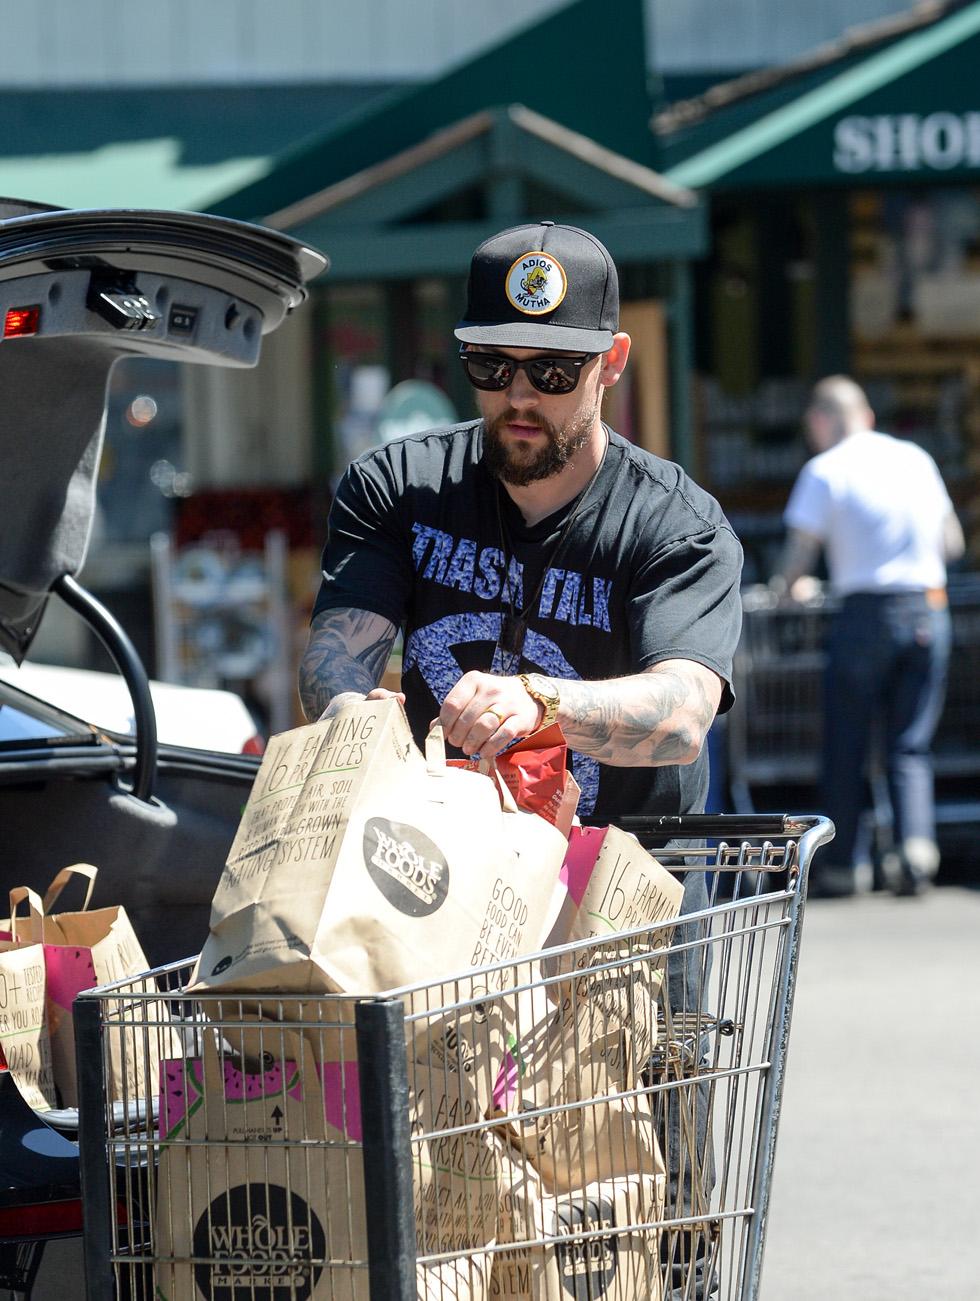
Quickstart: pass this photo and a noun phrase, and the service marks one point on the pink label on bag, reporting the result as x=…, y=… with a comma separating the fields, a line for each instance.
x=584, y=845
x=68, y=971
x=342, y=1097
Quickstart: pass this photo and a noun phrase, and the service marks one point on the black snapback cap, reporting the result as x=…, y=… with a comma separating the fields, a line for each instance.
x=542, y=286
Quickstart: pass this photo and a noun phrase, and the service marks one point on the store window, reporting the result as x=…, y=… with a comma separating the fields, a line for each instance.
x=357, y=369
x=143, y=472
x=754, y=364
x=392, y=363
x=915, y=316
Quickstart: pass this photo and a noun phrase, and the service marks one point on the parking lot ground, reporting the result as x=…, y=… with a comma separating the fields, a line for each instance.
x=877, y=1179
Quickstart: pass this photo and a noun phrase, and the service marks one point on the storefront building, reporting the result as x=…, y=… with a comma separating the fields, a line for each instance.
x=845, y=199
x=400, y=195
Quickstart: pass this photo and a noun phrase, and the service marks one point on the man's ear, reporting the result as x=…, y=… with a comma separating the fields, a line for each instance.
x=614, y=361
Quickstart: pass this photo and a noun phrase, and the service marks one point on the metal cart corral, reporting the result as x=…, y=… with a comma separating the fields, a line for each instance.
x=774, y=733
x=555, y=1126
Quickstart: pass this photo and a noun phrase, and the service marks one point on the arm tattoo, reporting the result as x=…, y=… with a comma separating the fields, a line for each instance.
x=658, y=717
x=347, y=651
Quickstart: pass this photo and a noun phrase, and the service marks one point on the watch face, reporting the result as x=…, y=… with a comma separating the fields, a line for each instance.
x=546, y=688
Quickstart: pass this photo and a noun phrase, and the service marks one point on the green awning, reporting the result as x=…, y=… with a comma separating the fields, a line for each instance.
x=908, y=111
x=578, y=66
x=158, y=147
x=403, y=217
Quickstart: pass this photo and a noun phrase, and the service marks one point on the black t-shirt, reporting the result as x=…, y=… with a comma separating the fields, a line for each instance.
x=648, y=571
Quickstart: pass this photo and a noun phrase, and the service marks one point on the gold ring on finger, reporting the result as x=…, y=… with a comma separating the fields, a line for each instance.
x=497, y=715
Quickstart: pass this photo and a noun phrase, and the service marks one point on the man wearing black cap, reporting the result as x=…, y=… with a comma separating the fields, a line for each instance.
x=540, y=566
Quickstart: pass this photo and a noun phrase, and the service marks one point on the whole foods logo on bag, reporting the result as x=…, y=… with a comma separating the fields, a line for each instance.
x=586, y=1267
x=259, y=1241
x=409, y=870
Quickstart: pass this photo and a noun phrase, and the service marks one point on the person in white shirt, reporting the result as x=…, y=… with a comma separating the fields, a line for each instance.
x=878, y=508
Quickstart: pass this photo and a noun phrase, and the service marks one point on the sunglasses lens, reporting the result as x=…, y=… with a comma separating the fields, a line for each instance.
x=488, y=371
x=492, y=371
x=553, y=375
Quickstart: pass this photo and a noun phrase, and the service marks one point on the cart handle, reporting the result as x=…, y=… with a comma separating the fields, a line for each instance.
x=691, y=825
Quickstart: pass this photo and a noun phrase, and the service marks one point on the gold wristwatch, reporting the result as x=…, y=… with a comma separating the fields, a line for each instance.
x=545, y=692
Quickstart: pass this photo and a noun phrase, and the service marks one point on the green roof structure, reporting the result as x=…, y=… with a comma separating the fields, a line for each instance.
x=908, y=110
x=423, y=211
x=581, y=66
x=158, y=147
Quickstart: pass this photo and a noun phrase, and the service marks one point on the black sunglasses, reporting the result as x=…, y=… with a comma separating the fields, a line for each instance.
x=492, y=371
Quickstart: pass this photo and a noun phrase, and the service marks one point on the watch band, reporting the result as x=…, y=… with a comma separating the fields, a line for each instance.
x=549, y=699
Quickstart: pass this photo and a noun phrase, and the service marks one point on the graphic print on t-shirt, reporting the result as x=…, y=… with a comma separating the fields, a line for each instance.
x=652, y=567
x=566, y=595
x=434, y=651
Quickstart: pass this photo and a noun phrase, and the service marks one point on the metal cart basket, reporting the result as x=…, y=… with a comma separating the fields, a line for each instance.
x=594, y=1121
x=774, y=733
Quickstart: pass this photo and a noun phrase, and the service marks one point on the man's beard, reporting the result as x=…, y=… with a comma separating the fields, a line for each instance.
x=518, y=464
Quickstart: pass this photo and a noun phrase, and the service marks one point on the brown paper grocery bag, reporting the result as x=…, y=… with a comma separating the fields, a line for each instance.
x=590, y=1035
x=613, y=884
x=254, y=1181
x=456, y=1176
x=25, y=1049
x=592, y=1134
x=227, y=1133
x=621, y=1266
x=362, y=865
x=518, y=1274
x=461, y=1279
x=83, y=949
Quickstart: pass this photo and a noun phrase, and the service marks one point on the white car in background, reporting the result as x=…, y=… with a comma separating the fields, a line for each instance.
x=200, y=718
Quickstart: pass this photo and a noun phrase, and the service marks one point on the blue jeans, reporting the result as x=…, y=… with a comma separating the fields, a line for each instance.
x=887, y=658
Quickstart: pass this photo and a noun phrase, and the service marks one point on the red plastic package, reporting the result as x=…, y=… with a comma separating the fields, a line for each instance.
x=534, y=771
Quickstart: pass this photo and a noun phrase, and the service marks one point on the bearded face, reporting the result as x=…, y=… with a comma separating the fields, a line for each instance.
x=518, y=462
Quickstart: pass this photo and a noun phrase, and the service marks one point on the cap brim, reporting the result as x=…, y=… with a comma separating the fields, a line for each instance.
x=535, y=334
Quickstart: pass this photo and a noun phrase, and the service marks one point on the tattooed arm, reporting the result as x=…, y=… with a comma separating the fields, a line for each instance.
x=660, y=716
x=657, y=717
x=345, y=657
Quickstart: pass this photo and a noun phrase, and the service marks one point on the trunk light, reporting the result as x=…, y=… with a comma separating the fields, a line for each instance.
x=21, y=321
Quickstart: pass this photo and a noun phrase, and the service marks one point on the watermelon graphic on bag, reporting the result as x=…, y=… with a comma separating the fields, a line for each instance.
x=237, y=1187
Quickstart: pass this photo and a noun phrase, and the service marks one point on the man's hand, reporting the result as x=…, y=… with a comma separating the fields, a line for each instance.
x=346, y=697
x=484, y=713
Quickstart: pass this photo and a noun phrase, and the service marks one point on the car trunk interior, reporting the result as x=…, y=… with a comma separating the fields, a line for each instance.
x=161, y=859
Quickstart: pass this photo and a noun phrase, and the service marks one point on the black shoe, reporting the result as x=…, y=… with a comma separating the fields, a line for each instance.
x=911, y=871
x=910, y=883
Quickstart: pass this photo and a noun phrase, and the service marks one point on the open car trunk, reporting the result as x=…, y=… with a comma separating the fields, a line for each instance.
x=160, y=858
x=78, y=291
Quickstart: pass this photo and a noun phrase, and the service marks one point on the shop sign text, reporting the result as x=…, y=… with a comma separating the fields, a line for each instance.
x=907, y=142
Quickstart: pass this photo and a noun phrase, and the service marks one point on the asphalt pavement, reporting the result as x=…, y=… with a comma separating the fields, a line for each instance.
x=876, y=1192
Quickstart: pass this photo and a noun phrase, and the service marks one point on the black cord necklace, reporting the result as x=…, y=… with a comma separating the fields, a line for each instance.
x=513, y=624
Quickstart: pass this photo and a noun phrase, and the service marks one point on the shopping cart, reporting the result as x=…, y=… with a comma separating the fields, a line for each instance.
x=596, y=1121
x=774, y=734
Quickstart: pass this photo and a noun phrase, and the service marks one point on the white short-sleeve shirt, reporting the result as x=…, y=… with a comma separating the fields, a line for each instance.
x=878, y=505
